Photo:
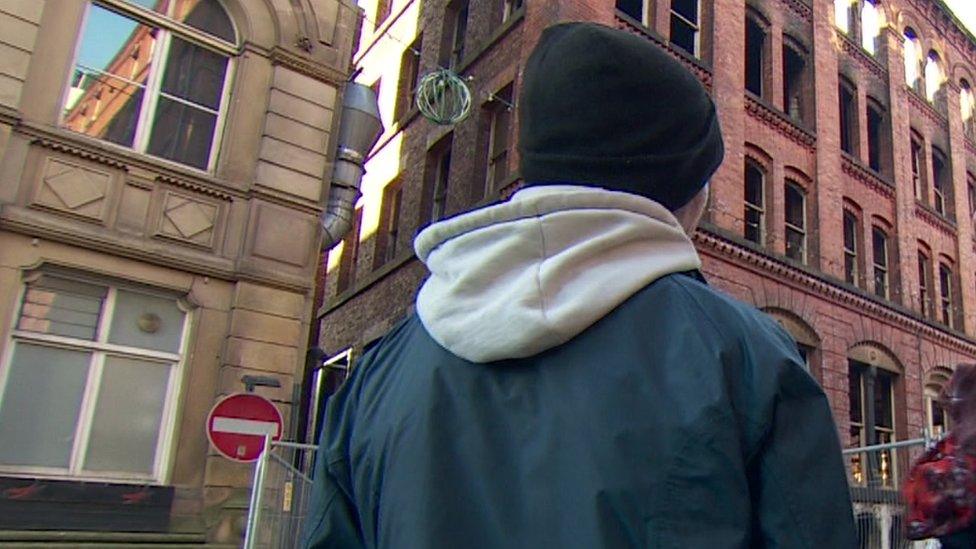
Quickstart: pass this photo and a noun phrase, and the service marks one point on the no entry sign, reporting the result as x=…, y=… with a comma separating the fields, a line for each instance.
x=238, y=424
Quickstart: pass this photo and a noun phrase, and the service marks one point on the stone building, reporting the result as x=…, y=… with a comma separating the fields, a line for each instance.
x=162, y=170
x=844, y=207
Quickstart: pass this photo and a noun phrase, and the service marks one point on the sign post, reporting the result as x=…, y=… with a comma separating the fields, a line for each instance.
x=239, y=424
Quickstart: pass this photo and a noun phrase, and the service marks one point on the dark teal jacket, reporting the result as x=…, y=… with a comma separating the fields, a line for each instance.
x=681, y=419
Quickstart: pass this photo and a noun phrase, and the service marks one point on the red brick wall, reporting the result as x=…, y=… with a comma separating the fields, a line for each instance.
x=840, y=315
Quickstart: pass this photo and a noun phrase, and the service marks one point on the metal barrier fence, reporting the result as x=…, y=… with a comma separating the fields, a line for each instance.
x=283, y=486
x=876, y=475
x=280, y=496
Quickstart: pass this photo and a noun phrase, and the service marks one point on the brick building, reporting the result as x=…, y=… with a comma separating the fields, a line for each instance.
x=162, y=169
x=844, y=207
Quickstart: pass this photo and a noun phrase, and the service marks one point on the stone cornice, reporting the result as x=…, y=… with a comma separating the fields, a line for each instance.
x=826, y=288
x=202, y=189
x=935, y=220
x=854, y=169
x=297, y=63
x=946, y=23
x=9, y=116
x=780, y=123
x=80, y=152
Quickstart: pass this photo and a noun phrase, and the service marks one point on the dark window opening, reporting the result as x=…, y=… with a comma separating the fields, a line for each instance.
x=793, y=65
x=389, y=238
x=438, y=176
x=848, y=119
x=875, y=128
x=455, y=33
x=755, y=62
x=945, y=290
x=924, y=278
x=796, y=232
x=350, y=254
x=499, y=128
x=685, y=25
x=872, y=421
x=850, y=249
x=409, y=78
x=940, y=183
x=917, y=172
x=633, y=8
x=754, y=203
x=880, y=243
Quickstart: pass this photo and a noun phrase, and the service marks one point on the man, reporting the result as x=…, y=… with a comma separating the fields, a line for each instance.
x=569, y=379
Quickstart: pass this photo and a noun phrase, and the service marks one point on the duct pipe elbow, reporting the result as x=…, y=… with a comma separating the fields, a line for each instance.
x=360, y=128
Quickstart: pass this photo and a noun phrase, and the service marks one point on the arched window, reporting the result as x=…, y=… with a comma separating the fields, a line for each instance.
x=873, y=375
x=913, y=60
x=936, y=416
x=755, y=56
x=934, y=76
x=795, y=207
x=967, y=106
x=842, y=15
x=870, y=26
x=755, y=203
x=158, y=88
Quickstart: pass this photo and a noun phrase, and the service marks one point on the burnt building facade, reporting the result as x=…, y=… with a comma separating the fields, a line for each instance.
x=844, y=207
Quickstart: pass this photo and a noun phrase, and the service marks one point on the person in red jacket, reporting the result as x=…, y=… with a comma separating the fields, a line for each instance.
x=941, y=489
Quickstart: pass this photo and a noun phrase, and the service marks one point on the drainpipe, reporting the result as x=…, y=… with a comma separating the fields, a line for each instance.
x=360, y=128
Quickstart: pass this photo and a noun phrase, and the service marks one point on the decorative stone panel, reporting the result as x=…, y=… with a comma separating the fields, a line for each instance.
x=73, y=188
x=188, y=219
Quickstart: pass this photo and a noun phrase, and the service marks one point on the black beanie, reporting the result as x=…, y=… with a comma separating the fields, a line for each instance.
x=605, y=108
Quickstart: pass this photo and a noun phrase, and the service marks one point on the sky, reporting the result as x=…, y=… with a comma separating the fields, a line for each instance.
x=965, y=10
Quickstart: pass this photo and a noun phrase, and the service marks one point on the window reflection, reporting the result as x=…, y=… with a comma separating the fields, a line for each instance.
x=117, y=93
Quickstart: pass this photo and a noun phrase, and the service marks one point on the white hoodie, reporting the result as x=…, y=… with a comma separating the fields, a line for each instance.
x=518, y=278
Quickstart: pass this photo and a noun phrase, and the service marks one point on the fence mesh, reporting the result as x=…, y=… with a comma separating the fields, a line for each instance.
x=280, y=497
x=876, y=475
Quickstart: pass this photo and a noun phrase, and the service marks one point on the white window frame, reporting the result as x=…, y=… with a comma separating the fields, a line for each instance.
x=100, y=349
x=697, y=26
x=883, y=267
x=946, y=297
x=152, y=88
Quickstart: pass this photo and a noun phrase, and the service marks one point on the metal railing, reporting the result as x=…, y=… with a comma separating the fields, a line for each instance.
x=876, y=475
x=280, y=496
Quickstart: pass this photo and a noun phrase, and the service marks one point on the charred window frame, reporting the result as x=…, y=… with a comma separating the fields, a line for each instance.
x=847, y=106
x=795, y=205
x=755, y=55
x=794, y=79
x=941, y=184
x=925, y=284
x=882, y=282
x=878, y=137
x=946, y=308
x=852, y=271
x=755, y=203
x=917, y=157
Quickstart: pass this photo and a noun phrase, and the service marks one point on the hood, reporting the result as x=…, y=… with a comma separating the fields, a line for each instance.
x=518, y=278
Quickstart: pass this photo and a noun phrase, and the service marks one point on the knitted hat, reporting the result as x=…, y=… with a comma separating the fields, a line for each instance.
x=605, y=108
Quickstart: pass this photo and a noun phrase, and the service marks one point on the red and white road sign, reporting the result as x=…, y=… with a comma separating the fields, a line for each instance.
x=238, y=424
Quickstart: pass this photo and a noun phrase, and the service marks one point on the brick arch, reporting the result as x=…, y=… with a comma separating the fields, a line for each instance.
x=877, y=354
x=797, y=326
x=937, y=376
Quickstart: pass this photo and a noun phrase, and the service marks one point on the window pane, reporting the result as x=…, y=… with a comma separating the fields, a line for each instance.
x=633, y=8
x=182, y=133
x=147, y=322
x=108, y=83
x=686, y=8
x=40, y=405
x=128, y=413
x=683, y=35
x=754, y=186
x=850, y=232
x=854, y=379
x=755, y=46
x=61, y=307
x=880, y=248
x=883, y=414
x=794, y=244
x=794, y=206
x=208, y=16
x=194, y=74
